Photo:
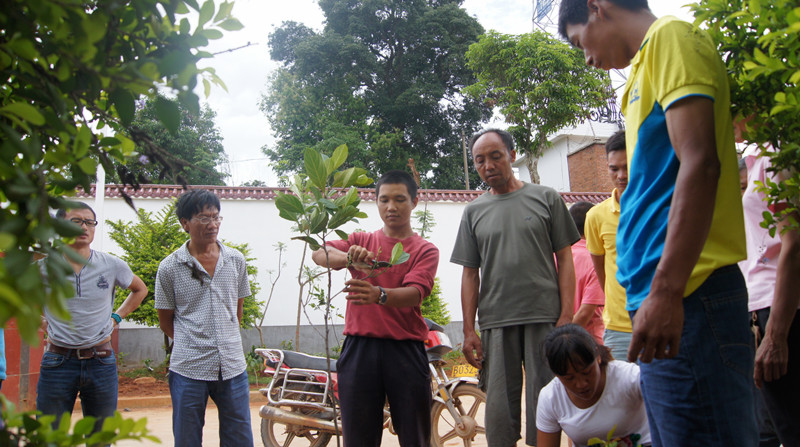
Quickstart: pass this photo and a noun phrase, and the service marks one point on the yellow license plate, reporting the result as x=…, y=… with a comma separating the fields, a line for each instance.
x=464, y=371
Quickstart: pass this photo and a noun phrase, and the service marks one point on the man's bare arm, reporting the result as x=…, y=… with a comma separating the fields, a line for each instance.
x=470, y=287
x=166, y=320
x=772, y=357
x=599, y=262
x=138, y=293
x=566, y=284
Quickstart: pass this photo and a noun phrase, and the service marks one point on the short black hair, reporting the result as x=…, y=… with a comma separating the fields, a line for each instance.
x=573, y=345
x=397, y=177
x=576, y=12
x=616, y=142
x=193, y=202
x=61, y=213
x=507, y=138
x=578, y=212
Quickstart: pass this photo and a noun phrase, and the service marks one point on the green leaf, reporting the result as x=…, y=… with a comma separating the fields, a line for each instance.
x=168, y=113
x=206, y=13
x=398, y=255
x=88, y=165
x=289, y=202
x=342, y=235
x=84, y=426
x=231, y=25
x=225, y=9
x=315, y=168
x=124, y=103
x=24, y=111
x=7, y=240
x=342, y=216
x=312, y=243
x=318, y=221
x=328, y=204
x=212, y=34
x=338, y=158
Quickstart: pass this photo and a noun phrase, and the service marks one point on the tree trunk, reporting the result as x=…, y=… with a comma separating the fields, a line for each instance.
x=531, y=163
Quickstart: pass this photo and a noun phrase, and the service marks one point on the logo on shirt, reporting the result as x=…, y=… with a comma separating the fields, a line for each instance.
x=102, y=283
x=634, y=93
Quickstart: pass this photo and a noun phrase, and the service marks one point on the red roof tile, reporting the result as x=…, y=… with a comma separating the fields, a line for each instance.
x=267, y=193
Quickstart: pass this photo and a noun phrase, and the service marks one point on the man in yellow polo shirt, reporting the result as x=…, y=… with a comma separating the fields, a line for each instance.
x=681, y=226
x=601, y=241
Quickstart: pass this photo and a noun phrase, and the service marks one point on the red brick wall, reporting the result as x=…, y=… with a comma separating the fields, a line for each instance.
x=588, y=170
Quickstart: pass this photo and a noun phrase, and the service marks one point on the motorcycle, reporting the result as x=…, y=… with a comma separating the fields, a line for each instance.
x=302, y=408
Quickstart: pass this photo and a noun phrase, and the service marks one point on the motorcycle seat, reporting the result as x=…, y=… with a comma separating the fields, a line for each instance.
x=294, y=359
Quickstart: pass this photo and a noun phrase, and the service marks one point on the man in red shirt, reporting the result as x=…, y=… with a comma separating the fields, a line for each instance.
x=383, y=355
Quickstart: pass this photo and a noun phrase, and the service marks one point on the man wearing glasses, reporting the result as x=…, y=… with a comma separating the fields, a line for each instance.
x=200, y=291
x=78, y=357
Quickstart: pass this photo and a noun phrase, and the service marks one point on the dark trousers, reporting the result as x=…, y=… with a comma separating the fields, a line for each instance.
x=782, y=396
x=372, y=370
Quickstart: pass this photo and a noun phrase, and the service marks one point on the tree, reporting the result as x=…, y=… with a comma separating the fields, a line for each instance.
x=147, y=242
x=384, y=77
x=540, y=84
x=192, y=152
x=760, y=43
x=72, y=70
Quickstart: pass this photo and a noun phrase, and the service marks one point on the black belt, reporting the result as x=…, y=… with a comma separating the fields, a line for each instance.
x=101, y=351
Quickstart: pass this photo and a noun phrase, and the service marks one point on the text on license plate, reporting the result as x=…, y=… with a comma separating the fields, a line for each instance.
x=464, y=371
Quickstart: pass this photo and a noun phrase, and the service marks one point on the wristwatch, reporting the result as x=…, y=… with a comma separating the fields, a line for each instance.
x=382, y=299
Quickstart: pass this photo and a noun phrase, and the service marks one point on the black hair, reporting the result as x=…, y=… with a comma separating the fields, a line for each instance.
x=194, y=201
x=616, y=142
x=576, y=12
x=572, y=345
x=61, y=213
x=578, y=212
x=506, y=137
x=397, y=177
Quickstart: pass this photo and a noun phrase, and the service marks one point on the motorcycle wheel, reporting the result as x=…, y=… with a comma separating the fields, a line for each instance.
x=276, y=434
x=470, y=402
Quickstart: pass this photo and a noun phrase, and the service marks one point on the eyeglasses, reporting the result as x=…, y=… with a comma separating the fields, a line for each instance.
x=89, y=222
x=205, y=220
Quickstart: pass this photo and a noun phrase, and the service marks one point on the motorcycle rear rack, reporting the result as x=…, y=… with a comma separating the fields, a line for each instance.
x=297, y=387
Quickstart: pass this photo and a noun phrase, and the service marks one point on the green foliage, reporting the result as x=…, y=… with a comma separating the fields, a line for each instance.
x=434, y=307
x=760, y=44
x=151, y=239
x=24, y=429
x=72, y=69
x=318, y=203
x=539, y=83
x=384, y=78
x=191, y=154
x=251, y=309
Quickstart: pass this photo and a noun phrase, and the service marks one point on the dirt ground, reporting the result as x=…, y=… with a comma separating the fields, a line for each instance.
x=129, y=388
x=159, y=419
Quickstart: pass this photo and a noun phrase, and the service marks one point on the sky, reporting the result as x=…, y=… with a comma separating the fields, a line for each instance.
x=245, y=129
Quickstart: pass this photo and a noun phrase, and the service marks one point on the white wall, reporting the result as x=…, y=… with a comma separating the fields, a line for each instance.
x=257, y=223
x=553, y=167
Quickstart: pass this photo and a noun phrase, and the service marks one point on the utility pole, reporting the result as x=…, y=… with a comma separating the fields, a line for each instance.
x=466, y=167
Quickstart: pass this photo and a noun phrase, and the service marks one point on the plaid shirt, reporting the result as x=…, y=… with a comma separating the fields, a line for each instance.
x=208, y=343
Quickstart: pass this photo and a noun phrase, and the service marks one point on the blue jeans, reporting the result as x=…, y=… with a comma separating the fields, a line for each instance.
x=62, y=378
x=189, y=400
x=704, y=396
x=618, y=342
